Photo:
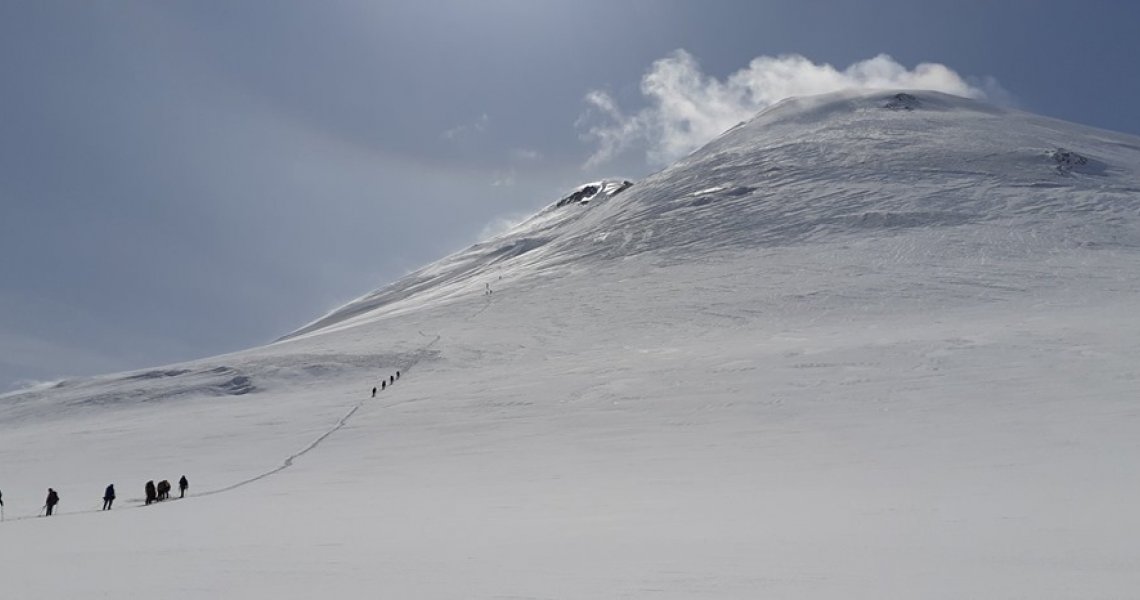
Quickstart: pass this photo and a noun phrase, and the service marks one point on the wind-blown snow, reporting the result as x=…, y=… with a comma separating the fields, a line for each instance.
x=861, y=346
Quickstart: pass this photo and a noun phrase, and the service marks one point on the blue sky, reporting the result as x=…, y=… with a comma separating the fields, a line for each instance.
x=180, y=179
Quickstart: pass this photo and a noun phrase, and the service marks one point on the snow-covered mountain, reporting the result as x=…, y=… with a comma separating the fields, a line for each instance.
x=865, y=345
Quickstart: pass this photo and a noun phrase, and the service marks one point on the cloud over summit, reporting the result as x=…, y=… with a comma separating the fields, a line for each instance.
x=687, y=108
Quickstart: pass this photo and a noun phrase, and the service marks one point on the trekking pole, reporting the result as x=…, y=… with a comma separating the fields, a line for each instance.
x=43, y=509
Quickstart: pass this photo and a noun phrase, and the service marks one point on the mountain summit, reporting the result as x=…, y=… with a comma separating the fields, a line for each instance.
x=850, y=165
x=864, y=345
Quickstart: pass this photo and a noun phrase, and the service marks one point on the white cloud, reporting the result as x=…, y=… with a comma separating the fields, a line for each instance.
x=688, y=108
x=502, y=224
x=32, y=385
x=480, y=125
x=504, y=178
x=526, y=155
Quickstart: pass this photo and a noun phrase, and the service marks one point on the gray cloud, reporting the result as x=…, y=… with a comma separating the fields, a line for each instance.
x=687, y=108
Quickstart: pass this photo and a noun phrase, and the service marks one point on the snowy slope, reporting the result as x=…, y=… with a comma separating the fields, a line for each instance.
x=825, y=168
x=864, y=345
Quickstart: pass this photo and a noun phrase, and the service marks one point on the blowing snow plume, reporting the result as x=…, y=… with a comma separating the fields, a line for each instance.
x=688, y=108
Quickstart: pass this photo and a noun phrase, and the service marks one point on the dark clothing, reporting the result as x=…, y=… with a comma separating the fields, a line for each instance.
x=108, y=497
x=391, y=379
x=183, y=485
x=373, y=392
x=52, y=500
x=163, y=489
x=397, y=374
x=383, y=384
x=151, y=494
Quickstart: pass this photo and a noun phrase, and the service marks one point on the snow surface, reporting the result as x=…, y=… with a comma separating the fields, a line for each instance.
x=851, y=349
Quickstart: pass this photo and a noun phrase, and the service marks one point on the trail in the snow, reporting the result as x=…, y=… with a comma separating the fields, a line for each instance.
x=486, y=305
x=288, y=462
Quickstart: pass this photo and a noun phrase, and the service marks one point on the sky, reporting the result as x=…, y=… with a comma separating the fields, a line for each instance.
x=182, y=179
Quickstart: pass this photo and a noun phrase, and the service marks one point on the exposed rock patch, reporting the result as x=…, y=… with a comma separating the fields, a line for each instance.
x=902, y=101
x=591, y=191
x=1067, y=160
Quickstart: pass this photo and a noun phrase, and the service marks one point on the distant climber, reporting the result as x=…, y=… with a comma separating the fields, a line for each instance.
x=163, y=490
x=52, y=500
x=183, y=485
x=108, y=497
x=374, y=391
x=391, y=379
x=151, y=494
x=383, y=384
x=397, y=374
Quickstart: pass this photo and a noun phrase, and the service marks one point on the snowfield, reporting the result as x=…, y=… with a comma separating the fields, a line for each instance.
x=866, y=345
